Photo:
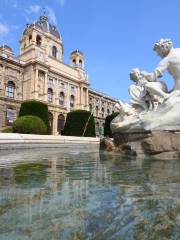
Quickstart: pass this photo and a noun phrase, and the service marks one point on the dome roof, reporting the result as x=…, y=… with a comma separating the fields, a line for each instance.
x=45, y=26
x=77, y=51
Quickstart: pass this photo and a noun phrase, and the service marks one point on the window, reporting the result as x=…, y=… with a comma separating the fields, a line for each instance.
x=108, y=111
x=74, y=62
x=38, y=40
x=54, y=51
x=72, y=101
x=50, y=81
x=61, y=120
x=10, y=116
x=30, y=38
x=80, y=63
x=102, y=111
x=61, y=98
x=10, y=89
x=50, y=95
x=97, y=111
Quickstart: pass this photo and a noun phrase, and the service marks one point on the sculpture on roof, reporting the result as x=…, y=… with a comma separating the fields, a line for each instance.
x=152, y=106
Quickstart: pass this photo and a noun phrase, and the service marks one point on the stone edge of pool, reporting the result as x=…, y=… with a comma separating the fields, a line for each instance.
x=14, y=140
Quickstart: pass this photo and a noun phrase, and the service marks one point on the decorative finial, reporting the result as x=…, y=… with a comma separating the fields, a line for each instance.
x=44, y=11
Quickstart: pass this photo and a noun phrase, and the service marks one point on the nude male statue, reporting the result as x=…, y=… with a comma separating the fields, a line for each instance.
x=170, y=62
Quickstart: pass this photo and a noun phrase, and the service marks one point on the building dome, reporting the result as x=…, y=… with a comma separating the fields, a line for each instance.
x=45, y=26
x=78, y=52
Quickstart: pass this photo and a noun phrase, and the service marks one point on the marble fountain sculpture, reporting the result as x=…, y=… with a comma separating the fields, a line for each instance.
x=152, y=109
x=152, y=106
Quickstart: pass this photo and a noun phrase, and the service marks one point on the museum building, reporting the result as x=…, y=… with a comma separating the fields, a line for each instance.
x=39, y=73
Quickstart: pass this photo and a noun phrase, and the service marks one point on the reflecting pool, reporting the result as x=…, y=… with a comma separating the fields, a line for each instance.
x=70, y=195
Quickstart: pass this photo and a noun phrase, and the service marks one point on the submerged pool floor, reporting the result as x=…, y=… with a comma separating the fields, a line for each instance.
x=54, y=194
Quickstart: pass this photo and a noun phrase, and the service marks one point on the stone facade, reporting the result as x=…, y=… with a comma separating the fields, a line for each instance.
x=39, y=73
x=101, y=105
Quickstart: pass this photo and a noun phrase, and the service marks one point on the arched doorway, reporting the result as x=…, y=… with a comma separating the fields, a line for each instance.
x=61, y=120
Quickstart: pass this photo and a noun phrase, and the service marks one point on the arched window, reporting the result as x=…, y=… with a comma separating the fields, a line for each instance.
x=30, y=38
x=97, y=111
x=102, y=111
x=10, y=116
x=61, y=120
x=50, y=95
x=10, y=89
x=72, y=101
x=80, y=63
x=61, y=98
x=108, y=111
x=38, y=41
x=54, y=51
x=74, y=62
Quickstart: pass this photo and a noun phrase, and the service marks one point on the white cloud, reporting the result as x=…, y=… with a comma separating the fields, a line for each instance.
x=4, y=29
x=51, y=15
x=33, y=9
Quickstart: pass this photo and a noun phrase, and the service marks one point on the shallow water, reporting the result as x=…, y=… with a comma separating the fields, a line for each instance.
x=50, y=194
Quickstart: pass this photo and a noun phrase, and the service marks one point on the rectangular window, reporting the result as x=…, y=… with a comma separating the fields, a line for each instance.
x=50, y=81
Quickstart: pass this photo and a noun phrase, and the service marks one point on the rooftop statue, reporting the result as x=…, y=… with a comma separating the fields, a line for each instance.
x=152, y=106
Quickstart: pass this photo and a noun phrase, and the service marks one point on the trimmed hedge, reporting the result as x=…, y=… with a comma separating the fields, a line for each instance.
x=76, y=124
x=29, y=125
x=7, y=130
x=107, y=129
x=36, y=108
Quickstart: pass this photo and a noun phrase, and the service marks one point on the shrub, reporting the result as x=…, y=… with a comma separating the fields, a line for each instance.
x=7, y=130
x=29, y=125
x=79, y=121
x=107, y=129
x=35, y=108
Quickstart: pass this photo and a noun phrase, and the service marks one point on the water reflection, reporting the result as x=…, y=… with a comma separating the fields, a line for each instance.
x=80, y=195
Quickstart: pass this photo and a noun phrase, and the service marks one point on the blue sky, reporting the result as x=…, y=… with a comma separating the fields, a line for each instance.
x=114, y=35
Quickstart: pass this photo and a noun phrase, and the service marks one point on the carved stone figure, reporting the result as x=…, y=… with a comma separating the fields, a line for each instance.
x=170, y=62
x=146, y=95
x=153, y=107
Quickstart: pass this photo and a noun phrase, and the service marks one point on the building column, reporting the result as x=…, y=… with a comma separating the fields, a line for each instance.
x=36, y=84
x=3, y=77
x=45, y=86
x=81, y=96
x=55, y=120
x=78, y=97
x=68, y=98
x=87, y=99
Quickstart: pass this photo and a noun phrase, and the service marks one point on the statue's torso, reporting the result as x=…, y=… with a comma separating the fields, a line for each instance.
x=174, y=63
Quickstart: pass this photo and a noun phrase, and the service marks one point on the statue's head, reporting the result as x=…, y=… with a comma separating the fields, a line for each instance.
x=135, y=74
x=163, y=47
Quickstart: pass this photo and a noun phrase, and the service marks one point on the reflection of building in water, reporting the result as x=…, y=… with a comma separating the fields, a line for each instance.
x=32, y=182
x=39, y=73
